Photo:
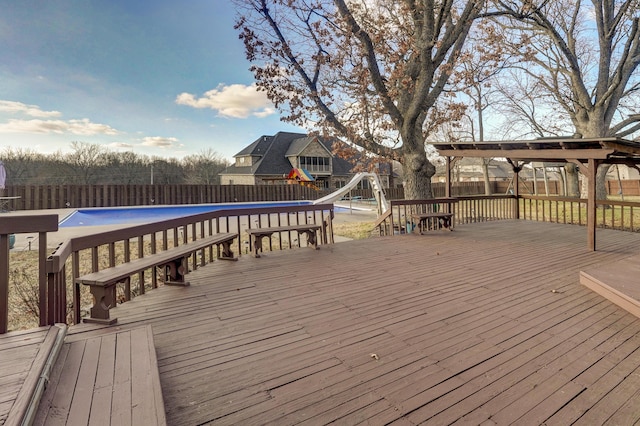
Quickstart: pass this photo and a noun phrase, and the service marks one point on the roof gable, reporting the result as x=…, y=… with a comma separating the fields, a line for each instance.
x=298, y=146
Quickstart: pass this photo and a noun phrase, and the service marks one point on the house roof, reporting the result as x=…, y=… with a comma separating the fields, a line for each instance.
x=258, y=148
x=273, y=152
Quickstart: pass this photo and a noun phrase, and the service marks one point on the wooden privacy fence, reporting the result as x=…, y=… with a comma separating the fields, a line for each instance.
x=43, y=197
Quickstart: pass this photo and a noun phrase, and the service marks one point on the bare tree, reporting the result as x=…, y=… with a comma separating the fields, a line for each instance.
x=370, y=72
x=477, y=74
x=85, y=162
x=584, y=56
x=526, y=110
x=166, y=171
x=204, y=167
x=20, y=164
x=127, y=167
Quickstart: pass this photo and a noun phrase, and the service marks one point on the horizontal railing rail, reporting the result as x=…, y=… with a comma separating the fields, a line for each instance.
x=93, y=252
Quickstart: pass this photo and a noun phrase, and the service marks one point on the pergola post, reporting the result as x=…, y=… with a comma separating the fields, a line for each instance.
x=516, y=188
x=447, y=188
x=516, y=192
x=591, y=172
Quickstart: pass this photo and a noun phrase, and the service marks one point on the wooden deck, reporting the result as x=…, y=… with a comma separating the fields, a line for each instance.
x=488, y=324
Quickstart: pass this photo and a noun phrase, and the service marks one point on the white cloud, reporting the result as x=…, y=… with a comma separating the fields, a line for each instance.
x=159, y=141
x=77, y=127
x=234, y=101
x=30, y=110
x=121, y=145
x=86, y=127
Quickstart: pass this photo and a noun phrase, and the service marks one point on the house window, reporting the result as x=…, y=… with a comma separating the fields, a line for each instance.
x=315, y=164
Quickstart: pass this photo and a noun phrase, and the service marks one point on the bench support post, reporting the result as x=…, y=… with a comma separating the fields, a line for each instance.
x=175, y=271
x=312, y=240
x=227, y=253
x=104, y=298
x=257, y=243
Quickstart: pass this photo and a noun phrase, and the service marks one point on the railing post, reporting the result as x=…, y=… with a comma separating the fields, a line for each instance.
x=47, y=293
x=4, y=283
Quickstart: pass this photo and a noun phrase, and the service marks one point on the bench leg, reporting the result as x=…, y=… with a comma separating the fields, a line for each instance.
x=227, y=253
x=312, y=240
x=175, y=271
x=257, y=244
x=104, y=298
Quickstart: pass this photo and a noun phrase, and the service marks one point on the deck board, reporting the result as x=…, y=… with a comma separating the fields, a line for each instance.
x=487, y=324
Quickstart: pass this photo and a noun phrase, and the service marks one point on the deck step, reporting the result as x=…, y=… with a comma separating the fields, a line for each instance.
x=617, y=282
x=105, y=377
x=31, y=355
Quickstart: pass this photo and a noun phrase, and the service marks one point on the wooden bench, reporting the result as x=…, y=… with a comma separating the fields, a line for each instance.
x=257, y=234
x=173, y=262
x=105, y=378
x=442, y=219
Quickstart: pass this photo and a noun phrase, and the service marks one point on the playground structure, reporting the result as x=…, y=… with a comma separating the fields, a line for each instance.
x=378, y=192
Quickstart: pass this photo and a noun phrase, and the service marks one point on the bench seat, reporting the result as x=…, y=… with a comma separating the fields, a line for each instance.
x=174, y=263
x=257, y=234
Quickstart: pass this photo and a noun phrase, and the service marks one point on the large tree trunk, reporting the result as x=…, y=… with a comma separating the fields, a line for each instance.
x=601, y=182
x=485, y=175
x=417, y=175
x=573, y=186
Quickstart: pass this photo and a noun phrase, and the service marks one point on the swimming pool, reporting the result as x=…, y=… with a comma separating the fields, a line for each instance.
x=133, y=215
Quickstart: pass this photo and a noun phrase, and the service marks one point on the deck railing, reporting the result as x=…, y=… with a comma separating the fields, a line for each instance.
x=397, y=220
x=92, y=252
x=12, y=225
x=611, y=213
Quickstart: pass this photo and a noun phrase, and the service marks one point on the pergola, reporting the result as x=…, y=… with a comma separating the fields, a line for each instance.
x=588, y=154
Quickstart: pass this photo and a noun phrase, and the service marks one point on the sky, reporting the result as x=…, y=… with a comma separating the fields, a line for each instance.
x=160, y=78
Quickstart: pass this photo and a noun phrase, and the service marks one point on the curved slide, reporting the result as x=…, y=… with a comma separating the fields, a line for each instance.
x=375, y=184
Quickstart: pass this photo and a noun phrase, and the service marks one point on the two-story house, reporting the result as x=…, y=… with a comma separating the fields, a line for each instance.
x=270, y=160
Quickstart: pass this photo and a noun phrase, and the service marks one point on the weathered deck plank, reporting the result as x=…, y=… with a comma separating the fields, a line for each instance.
x=486, y=324
x=105, y=379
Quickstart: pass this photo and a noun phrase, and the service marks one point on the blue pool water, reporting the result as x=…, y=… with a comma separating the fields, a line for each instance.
x=133, y=215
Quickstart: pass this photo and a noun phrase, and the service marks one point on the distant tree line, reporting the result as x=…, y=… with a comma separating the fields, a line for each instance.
x=93, y=164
